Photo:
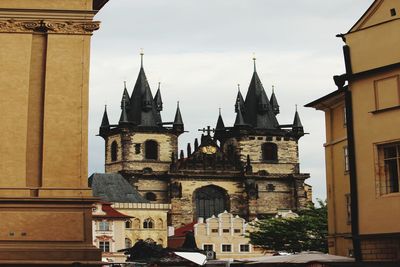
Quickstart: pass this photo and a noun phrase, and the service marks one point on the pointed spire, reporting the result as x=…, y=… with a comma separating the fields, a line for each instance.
x=196, y=144
x=239, y=118
x=239, y=100
x=220, y=122
x=105, y=123
x=182, y=155
x=178, y=122
x=124, y=115
x=297, y=125
x=189, y=150
x=274, y=102
x=157, y=99
x=125, y=95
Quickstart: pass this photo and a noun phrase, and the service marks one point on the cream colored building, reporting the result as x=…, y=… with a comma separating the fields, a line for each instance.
x=148, y=222
x=109, y=232
x=363, y=139
x=225, y=235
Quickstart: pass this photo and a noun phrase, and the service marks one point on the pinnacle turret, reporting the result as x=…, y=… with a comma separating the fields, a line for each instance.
x=297, y=125
x=105, y=123
x=178, y=122
x=274, y=102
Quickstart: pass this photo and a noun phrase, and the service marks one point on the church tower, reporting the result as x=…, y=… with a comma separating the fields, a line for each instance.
x=141, y=143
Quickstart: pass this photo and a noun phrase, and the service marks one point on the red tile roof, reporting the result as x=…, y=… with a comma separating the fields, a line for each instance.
x=176, y=241
x=110, y=212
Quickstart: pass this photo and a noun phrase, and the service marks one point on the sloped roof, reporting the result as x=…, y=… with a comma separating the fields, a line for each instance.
x=112, y=187
x=110, y=212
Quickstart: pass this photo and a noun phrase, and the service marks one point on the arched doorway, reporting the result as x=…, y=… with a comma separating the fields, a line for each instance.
x=210, y=200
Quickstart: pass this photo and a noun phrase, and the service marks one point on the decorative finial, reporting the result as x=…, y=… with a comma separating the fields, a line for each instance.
x=141, y=56
x=125, y=84
x=105, y=107
x=219, y=111
x=159, y=83
x=238, y=87
x=273, y=88
x=177, y=104
x=254, y=59
x=296, y=107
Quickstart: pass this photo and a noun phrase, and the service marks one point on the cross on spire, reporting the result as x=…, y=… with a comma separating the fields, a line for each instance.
x=208, y=130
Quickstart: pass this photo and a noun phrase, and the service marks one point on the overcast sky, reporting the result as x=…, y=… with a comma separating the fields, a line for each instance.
x=201, y=50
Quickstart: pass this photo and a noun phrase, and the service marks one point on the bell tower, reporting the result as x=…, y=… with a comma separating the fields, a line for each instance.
x=141, y=143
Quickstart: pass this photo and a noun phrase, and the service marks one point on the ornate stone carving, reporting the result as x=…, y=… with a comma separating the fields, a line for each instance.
x=60, y=27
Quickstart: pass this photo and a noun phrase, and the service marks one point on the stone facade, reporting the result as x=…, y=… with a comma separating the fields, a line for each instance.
x=250, y=170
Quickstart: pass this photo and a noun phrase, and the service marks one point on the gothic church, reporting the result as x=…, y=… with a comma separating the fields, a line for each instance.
x=250, y=169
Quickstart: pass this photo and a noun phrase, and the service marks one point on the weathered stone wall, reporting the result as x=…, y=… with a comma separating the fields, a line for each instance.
x=288, y=158
x=154, y=185
x=131, y=159
x=183, y=210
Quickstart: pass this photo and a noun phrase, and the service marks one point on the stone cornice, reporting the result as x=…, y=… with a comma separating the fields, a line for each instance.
x=49, y=26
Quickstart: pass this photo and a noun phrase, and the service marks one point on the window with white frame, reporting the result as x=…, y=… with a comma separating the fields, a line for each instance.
x=104, y=246
x=244, y=248
x=104, y=226
x=389, y=161
x=226, y=248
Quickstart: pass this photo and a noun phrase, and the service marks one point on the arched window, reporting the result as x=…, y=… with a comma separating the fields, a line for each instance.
x=128, y=243
x=128, y=224
x=210, y=200
x=151, y=149
x=269, y=152
x=148, y=223
x=151, y=196
x=114, y=151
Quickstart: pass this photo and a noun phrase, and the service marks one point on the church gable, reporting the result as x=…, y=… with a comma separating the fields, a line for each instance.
x=380, y=11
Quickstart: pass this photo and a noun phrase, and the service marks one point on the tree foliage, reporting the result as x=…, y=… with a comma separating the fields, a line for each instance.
x=304, y=233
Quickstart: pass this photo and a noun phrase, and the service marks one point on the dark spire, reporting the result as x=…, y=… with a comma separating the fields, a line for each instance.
x=239, y=100
x=125, y=95
x=297, y=126
x=239, y=122
x=252, y=115
x=182, y=155
x=274, y=102
x=124, y=115
x=141, y=110
x=158, y=104
x=196, y=144
x=157, y=99
x=178, y=122
x=189, y=150
x=105, y=123
x=220, y=122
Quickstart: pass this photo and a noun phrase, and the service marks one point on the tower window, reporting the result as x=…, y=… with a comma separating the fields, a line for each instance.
x=269, y=152
x=137, y=148
x=151, y=149
x=393, y=12
x=114, y=151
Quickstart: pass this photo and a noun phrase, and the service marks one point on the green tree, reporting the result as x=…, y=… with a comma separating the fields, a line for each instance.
x=306, y=232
